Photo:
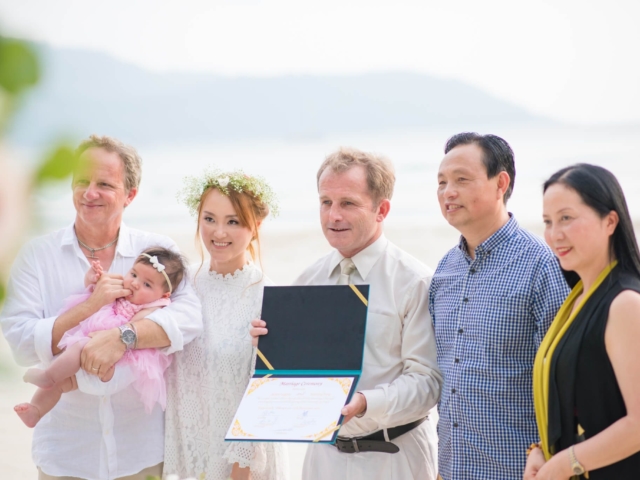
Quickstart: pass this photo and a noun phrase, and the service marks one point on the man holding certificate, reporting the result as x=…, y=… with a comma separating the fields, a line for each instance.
x=386, y=433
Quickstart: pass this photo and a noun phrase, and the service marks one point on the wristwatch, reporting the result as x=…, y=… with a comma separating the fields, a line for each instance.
x=128, y=336
x=576, y=466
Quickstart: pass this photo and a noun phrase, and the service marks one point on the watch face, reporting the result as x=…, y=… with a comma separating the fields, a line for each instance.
x=128, y=337
x=578, y=470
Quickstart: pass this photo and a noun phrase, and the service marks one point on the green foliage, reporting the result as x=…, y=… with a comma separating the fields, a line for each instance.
x=19, y=70
x=58, y=165
x=18, y=66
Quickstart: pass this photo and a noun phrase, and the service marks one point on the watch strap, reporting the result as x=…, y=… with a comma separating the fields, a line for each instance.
x=123, y=333
x=135, y=330
x=576, y=467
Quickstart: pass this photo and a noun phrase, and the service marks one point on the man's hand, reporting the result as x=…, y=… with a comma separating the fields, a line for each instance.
x=356, y=406
x=258, y=328
x=109, y=287
x=102, y=352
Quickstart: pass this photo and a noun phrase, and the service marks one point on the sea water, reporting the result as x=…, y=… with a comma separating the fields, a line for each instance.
x=290, y=166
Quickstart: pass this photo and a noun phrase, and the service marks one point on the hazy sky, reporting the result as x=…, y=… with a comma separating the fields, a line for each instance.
x=574, y=60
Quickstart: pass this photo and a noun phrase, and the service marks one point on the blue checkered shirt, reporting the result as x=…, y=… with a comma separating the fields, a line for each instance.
x=490, y=315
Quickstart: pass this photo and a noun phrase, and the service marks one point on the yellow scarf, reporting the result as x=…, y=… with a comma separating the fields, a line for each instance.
x=542, y=365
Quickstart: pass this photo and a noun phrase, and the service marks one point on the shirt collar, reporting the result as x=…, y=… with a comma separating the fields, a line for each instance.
x=123, y=247
x=364, y=260
x=494, y=240
x=69, y=236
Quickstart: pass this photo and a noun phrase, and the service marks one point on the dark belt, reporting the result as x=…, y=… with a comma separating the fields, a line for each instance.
x=376, y=441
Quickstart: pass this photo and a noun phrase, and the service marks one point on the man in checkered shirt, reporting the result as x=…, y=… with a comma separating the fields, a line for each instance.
x=492, y=299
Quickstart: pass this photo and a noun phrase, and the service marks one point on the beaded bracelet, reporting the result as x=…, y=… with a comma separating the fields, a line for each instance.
x=532, y=447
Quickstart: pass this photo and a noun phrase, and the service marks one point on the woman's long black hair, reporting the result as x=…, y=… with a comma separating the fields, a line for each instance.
x=599, y=189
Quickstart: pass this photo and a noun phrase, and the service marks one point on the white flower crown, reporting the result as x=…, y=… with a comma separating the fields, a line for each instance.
x=239, y=181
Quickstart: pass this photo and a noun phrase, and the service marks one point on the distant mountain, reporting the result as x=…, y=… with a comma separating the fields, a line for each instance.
x=85, y=92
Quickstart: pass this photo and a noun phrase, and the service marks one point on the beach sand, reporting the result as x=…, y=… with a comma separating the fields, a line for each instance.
x=285, y=255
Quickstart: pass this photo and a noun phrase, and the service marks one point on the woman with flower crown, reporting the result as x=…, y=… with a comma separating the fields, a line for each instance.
x=208, y=378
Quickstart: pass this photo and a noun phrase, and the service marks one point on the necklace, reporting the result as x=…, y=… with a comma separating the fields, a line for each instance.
x=94, y=250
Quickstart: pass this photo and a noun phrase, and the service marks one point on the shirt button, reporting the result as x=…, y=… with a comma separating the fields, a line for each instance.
x=455, y=424
x=460, y=330
x=453, y=390
x=473, y=270
x=465, y=299
x=457, y=360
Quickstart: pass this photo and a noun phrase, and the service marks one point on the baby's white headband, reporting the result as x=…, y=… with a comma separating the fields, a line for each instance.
x=160, y=267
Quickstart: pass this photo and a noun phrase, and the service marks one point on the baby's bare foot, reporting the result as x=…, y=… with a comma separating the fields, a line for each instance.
x=39, y=378
x=28, y=413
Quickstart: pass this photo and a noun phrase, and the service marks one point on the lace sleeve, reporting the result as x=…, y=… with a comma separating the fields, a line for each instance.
x=247, y=454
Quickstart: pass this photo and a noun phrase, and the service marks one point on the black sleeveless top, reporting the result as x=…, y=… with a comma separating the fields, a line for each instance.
x=583, y=389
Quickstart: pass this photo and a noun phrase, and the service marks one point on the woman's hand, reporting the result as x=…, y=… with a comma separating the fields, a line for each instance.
x=258, y=328
x=238, y=473
x=535, y=461
x=557, y=468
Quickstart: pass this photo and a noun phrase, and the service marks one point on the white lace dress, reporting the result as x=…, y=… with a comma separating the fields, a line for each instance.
x=207, y=380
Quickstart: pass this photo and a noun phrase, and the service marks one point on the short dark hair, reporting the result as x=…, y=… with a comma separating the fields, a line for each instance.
x=497, y=155
x=174, y=264
x=599, y=189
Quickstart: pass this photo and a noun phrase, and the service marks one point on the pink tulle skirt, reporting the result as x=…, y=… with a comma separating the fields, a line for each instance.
x=148, y=364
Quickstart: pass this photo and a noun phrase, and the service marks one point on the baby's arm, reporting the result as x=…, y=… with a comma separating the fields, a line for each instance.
x=143, y=313
x=93, y=274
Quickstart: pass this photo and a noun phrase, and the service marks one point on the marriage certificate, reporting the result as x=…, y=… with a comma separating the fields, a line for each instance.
x=295, y=409
x=307, y=366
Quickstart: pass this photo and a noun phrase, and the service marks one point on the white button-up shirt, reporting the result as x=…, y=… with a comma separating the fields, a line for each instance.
x=105, y=434
x=400, y=376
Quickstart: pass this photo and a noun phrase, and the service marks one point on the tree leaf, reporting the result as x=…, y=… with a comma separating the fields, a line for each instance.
x=19, y=67
x=58, y=165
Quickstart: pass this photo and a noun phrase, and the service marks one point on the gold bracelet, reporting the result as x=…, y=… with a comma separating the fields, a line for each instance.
x=532, y=447
x=576, y=467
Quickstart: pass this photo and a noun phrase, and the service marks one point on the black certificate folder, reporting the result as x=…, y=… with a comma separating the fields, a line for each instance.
x=313, y=330
x=307, y=367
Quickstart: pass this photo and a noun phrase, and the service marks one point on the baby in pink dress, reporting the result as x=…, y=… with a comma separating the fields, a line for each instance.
x=151, y=280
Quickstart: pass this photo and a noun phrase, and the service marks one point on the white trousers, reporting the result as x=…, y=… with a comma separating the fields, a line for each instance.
x=417, y=459
x=156, y=470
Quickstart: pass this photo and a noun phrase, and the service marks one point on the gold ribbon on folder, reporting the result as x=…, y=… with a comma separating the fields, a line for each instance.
x=357, y=292
x=264, y=359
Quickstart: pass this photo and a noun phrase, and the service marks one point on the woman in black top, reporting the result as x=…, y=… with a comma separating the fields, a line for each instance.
x=587, y=370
